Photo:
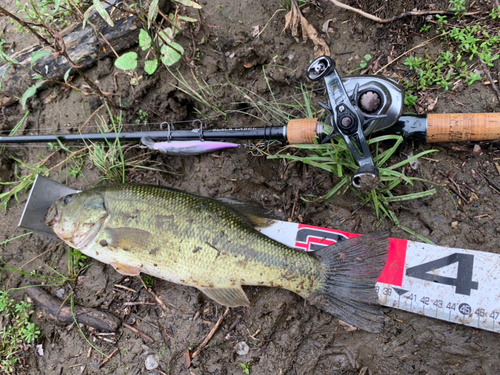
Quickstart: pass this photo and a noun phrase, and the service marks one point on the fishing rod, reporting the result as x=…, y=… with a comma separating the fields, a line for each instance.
x=357, y=107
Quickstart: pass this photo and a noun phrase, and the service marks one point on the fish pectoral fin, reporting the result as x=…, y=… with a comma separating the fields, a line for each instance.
x=128, y=238
x=126, y=270
x=232, y=297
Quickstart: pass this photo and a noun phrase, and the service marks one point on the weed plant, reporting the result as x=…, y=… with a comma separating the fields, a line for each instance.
x=17, y=331
x=462, y=46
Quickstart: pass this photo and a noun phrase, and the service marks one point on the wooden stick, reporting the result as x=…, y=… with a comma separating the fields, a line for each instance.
x=63, y=314
x=402, y=15
x=412, y=49
x=209, y=336
x=140, y=333
x=108, y=358
x=487, y=72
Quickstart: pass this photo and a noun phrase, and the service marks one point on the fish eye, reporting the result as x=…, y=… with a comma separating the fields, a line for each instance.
x=68, y=198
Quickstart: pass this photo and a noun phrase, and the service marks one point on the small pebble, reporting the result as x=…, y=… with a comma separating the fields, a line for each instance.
x=152, y=362
x=60, y=293
x=242, y=348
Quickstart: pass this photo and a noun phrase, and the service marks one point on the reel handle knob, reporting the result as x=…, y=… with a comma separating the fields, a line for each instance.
x=320, y=68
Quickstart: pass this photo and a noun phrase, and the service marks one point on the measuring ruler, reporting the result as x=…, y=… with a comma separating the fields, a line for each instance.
x=457, y=285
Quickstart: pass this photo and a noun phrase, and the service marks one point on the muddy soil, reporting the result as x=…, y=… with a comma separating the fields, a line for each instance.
x=284, y=334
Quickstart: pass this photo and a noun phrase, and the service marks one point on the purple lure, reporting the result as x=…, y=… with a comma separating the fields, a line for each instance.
x=186, y=148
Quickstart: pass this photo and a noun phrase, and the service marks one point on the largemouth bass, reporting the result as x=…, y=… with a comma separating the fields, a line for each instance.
x=205, y=244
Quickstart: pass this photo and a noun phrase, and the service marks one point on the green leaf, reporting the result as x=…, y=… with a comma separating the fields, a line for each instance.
x=57, y=3
x=166, y=35
x=187, y=19
x=152, y=12
x=37, y=55
x=3, y=75
x=19, y=124
x=30, y=92
x=189, y=3
x=102, y=12
x=66, y=75
x=127, y=61
x=169, y=55
x=86, y=15
x=144, y=40
x=151, y=66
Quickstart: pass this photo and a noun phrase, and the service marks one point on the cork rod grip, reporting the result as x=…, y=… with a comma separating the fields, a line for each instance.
x=458, y=127
x=301, y=131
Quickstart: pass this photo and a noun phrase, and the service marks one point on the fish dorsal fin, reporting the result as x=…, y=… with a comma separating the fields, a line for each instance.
x=125, y=269
x=232, y=297
x=255, y=216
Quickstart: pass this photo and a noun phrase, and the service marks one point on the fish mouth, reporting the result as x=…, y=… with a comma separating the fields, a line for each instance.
x=52, y=216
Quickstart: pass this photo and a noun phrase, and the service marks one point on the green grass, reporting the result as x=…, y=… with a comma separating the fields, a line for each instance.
x=17, y=330
x=462, y=44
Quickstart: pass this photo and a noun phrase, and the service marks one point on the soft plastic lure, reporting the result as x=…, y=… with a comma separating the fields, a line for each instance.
x=186, y=148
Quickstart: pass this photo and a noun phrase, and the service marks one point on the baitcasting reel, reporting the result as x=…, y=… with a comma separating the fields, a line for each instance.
x=358, y=106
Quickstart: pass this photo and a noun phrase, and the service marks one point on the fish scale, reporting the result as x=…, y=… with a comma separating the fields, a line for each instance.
x=202, y=243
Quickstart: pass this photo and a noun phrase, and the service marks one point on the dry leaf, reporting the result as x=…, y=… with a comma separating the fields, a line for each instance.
x=294, y=19
x=326, y=25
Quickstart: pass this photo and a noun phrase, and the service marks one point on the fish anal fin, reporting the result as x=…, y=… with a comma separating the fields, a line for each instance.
x=126, y=270
x=232, y=296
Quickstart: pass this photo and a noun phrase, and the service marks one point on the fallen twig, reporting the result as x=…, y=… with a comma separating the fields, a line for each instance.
x=125, y=288
x=108, y=358
x=268, y=22
x=497, y=166
x=140, y=333
x=397, y=17
x=487, y=72
x=28, y=262
x=211, y=333
x=494, y=186
x=412, y=49
x=54, y=309
x=160, y=302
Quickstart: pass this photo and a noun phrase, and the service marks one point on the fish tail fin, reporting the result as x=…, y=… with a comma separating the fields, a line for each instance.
x=350, y=270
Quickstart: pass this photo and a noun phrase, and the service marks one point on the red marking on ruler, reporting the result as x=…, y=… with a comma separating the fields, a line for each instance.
x=393, y=271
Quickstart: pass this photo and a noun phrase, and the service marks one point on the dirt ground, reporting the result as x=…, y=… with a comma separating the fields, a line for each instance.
x=285, y=335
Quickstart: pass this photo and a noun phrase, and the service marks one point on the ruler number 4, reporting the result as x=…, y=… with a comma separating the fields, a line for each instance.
x=463, y=283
